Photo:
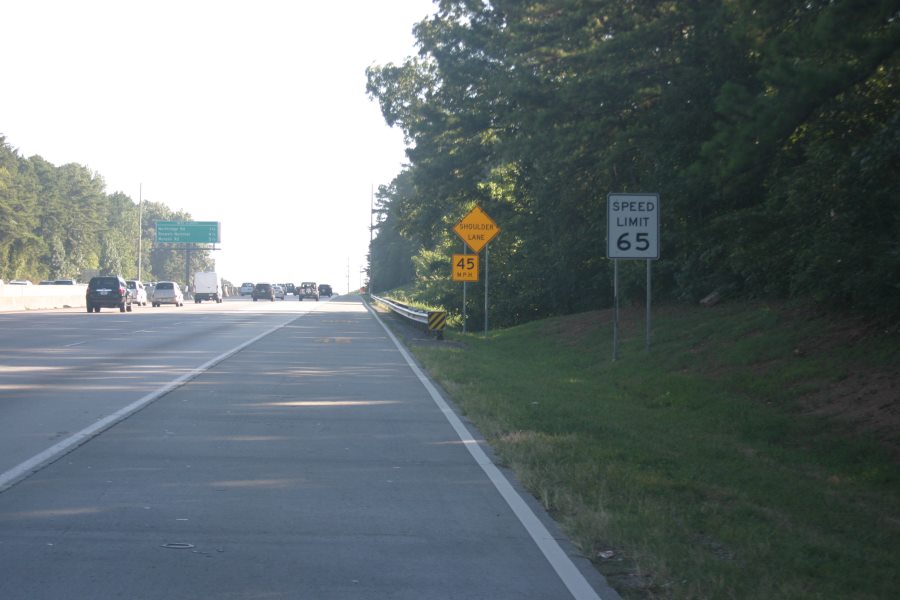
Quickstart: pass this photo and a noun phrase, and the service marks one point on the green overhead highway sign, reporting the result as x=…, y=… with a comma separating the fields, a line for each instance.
x=188, y=232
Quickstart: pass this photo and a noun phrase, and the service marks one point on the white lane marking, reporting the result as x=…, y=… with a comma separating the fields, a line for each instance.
x=558, y=559
x=76, y=344
x=40, y=460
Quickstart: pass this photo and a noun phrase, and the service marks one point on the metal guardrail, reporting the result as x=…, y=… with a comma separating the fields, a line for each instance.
x=419, y=316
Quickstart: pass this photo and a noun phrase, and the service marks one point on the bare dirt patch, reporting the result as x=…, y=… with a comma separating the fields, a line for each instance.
x=868, y=401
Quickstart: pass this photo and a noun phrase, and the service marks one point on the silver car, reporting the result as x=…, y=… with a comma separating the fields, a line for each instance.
x=167, y=292
x=138, y=292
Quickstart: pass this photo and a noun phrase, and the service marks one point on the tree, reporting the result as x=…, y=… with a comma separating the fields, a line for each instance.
x=59, y=223
x=536, y=110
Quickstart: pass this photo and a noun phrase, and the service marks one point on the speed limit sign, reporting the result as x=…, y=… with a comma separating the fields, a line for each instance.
x=465, y=267
x=632, y=226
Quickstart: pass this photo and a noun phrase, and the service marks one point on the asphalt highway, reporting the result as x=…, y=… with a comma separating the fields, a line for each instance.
x=290, y=450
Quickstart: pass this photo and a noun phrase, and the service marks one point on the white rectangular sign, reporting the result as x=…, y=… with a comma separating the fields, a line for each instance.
x=632, y=226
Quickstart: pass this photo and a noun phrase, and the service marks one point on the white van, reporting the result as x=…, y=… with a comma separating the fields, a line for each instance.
x=207, y=286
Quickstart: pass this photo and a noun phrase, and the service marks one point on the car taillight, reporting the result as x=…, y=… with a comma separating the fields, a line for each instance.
x=121, y=291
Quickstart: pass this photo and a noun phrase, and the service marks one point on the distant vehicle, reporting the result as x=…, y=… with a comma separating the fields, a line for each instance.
x=290, y=288
x=246, y=289
x=167, y=292
x=45, y=282
x=207, y=286
x=263, y=291
x=64, y=282
x=325, y=290
x=20, y=282
x=278, y=291
x=308, y=289
x=109, y=291
x=138, y=291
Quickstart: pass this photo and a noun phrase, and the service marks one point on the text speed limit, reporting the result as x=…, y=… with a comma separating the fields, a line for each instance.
x=465, y=267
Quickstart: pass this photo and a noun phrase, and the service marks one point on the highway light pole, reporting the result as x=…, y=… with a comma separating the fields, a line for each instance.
x=140, y=226
x=371, y=233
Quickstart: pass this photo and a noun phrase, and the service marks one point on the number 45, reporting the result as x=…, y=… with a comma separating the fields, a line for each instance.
x=466, y=264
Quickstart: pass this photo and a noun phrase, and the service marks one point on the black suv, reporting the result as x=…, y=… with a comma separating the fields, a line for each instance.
x=263, y=291
x=109, y=291
x=325, y=290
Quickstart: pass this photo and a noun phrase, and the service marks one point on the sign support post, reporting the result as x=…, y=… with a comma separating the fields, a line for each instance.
x=487, y=270
x=649, y=298
x=465, y=285
x=187, y=268
x=615, y=353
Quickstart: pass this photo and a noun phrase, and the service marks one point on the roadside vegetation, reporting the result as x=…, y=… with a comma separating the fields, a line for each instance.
x=752, y=453
x=59, y=222
x=770, y=130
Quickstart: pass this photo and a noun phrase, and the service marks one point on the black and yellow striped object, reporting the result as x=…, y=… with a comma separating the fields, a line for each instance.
x=437, y=320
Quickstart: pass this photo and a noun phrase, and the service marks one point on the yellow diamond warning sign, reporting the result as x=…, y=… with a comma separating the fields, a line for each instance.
x=476, y=229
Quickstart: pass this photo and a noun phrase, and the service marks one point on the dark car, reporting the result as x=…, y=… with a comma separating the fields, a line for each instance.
x=263, y=291
x=325, y=290
x=108, y=291
x=289, y=288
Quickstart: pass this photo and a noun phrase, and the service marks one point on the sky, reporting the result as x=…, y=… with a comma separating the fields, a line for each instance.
x=253, y=114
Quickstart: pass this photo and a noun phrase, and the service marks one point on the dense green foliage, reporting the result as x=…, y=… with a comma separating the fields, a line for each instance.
x=59, y=223
x=771, y=131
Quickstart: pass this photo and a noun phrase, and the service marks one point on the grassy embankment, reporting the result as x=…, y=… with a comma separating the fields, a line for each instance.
x=701, y=469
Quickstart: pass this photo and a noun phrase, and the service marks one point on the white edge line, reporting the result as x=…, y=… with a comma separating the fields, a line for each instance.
x=558, y=559
x=54, y=452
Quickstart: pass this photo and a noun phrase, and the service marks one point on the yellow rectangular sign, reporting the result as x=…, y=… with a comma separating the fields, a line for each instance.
x=465, y=267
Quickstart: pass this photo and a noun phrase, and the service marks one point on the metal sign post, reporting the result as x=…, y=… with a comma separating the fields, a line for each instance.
x=465, y=285
x=616, y=309
x=649, y=297
x=487, y=268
